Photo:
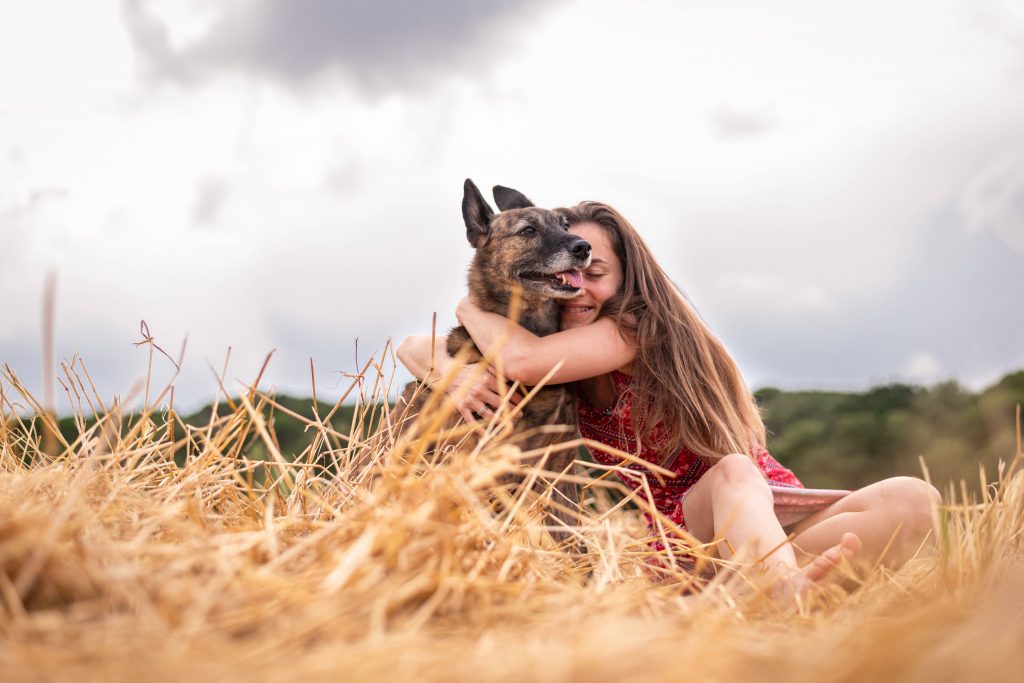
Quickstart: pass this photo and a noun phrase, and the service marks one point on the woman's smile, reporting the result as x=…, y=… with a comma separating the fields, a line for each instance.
x=575, y=314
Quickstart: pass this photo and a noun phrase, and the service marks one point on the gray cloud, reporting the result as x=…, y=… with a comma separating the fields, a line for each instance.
x=16, y=220
x=1000, y=22
x=212, y=195
x=382, y=46
x=742, y=123
x=36, y=199
x=343, y=178
x=16, y=155
x=995, y=201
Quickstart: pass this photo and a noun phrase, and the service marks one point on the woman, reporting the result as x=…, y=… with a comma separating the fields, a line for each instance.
x=653, y=380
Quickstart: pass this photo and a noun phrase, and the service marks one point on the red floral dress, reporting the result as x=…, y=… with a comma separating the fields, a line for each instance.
x=612, y=426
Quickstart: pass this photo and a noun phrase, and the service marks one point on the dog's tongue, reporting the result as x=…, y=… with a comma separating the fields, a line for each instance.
x=574, y=278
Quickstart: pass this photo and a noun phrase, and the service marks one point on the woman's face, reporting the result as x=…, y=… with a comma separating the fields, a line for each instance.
x=601, y=280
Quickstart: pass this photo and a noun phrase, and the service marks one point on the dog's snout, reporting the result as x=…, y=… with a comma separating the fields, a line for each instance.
x=580, y=248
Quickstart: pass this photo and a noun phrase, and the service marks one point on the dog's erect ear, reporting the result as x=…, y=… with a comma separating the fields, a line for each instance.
x=477, y=214
x=507, y=198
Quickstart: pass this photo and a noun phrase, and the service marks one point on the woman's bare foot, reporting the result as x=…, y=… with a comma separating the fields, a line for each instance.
x=817, y=570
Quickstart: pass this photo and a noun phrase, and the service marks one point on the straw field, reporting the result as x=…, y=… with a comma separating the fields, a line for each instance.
x=147, y=549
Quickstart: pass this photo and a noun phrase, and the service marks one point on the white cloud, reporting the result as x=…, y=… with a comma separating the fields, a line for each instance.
x=994, y=200
x=922, y=368
x=773, y=291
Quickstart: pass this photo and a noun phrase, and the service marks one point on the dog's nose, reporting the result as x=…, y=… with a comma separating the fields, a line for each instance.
x=580, y=249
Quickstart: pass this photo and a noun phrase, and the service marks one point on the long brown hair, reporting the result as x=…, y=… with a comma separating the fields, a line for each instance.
x=683, y=377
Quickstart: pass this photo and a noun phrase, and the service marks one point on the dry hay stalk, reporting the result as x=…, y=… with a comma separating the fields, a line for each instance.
x=117, y=563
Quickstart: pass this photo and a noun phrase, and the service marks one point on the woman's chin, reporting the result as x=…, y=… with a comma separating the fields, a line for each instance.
x=571, y=321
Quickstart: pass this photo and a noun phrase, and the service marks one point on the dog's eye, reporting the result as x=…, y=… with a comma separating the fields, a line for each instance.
x=565, y=224
x=528, y=230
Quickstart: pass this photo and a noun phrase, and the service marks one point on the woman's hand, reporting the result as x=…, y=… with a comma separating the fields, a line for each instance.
x=477, y=393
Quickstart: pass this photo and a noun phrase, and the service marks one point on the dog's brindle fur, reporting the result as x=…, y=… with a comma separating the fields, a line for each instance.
x=512, y=248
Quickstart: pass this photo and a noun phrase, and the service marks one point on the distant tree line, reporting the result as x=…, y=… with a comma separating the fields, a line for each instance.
x=829, y=439
x=847, y=440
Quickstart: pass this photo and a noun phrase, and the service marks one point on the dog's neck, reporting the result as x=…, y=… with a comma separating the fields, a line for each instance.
x=538, y=314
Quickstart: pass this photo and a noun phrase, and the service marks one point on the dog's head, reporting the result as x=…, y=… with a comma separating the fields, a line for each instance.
x=524, y=244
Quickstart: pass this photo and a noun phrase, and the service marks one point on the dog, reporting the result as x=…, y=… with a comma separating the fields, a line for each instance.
x=527, y=249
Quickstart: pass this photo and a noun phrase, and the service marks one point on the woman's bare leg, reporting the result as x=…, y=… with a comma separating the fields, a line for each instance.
x=732, y=501
x=891, y=517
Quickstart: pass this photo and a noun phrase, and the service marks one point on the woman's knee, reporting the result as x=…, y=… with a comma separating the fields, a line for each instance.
x=737, y=470
x=910, y=502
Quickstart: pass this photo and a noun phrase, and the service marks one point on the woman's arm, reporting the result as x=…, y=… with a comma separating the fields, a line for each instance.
x=475, y=392
x=416, y=354
x=585, y=352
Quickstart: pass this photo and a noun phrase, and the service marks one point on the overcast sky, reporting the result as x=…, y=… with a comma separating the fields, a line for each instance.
x=839, y=190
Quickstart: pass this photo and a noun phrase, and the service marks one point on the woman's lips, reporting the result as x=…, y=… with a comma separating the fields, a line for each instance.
x=576, y=310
